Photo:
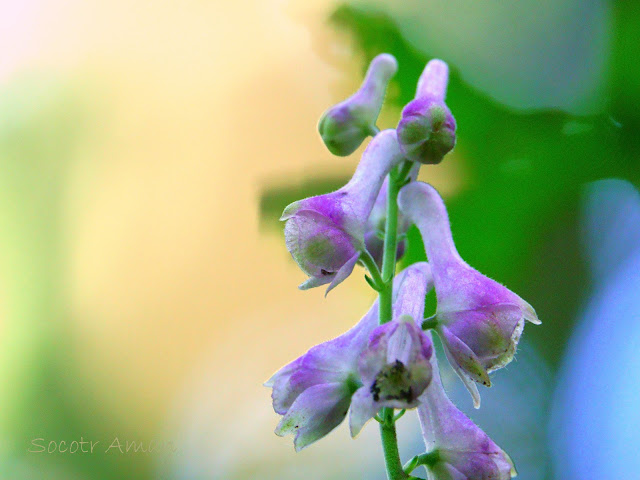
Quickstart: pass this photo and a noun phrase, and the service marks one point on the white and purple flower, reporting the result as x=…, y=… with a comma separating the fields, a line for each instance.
x=325, y=233
x=313, y=393
x=479, y=320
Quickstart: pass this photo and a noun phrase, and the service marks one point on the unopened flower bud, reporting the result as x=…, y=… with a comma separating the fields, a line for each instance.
x=344, y=126
x=427, y=130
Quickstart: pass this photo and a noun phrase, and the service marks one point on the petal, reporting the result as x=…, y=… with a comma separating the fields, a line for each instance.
x=318, y=244
x=363, y=409
x=411, y=293
x=316, y=412
x=491, y=332
x=463, y=356
x=315, y=282
x=283, y=374
x=343, y=273
x=433, y=80
x=282, y=394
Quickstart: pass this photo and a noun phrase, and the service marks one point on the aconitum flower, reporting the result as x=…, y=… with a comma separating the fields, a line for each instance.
x=479, y=320
x=344, y=126
x=427, y=129
x=325, y=233
x=376, y=223
x=457, y=448
x=313, y=393
x=394, y=367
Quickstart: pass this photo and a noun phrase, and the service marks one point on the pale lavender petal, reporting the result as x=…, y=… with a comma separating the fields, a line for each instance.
x=343, y=273
x=434, y=79
x=313, y=282
x=412, y=291
x=463, y=356
x=284, y=373
x=466, y=377
x=363, y=409
x=316, y=412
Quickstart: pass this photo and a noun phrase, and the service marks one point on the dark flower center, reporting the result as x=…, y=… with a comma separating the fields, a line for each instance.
x=393, y=382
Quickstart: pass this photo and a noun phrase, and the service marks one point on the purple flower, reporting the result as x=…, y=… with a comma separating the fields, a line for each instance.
x=344, y=126
x=325, y=234
x=427, y=130
x=376, y=223
x=394, y=367
x=457, y=448
x=479, y=320
x=313, y=393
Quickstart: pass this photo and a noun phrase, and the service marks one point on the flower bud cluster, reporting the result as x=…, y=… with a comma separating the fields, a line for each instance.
x=390, y=363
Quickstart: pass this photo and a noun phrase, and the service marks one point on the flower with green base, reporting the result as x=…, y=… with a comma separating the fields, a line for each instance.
x=344, y=126
x=394, y=367
x=313, y=393
x=479, y=320
x=325, y=233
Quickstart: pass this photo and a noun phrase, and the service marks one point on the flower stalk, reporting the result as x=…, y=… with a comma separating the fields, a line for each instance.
x=388, y=433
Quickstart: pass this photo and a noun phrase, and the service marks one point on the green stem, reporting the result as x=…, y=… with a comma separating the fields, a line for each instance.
x=388, y=425
x=390, y=446
x=390, y=248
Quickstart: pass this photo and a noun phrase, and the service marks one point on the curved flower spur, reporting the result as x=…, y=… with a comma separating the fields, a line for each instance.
x=325, y=233
x=345, y=126
x=478, y=320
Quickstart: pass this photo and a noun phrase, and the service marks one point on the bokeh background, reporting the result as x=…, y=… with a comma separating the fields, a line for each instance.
x=148, y=148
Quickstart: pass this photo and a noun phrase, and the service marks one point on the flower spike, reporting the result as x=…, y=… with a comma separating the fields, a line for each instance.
x=478, y=320
x=344, y=126
x=325, y=233
x=427, y=130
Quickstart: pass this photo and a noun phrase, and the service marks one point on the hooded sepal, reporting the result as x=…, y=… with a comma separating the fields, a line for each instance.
x=479, y=320
x=325, y=233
